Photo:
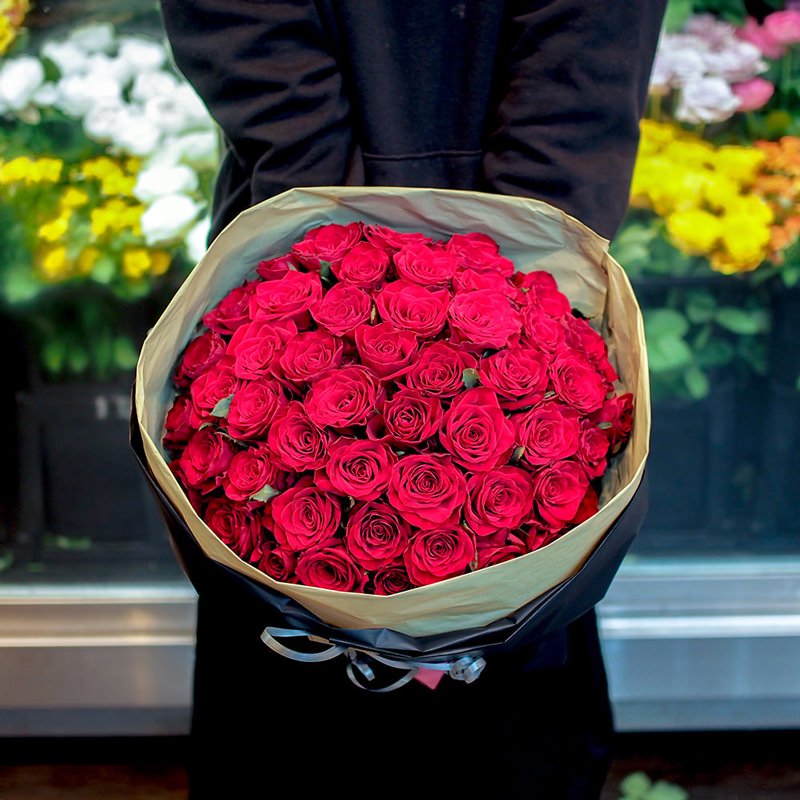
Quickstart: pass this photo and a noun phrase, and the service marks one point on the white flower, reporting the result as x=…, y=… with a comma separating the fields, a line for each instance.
x=168, y=219
x=136, y=134
x=111, y=67
x=199, y=150
x=79, y=93
x=156, y=181
x=20, y=78
x=95, y=38
x=738, y=61
x=144, y=55
x=153, y=84
x=104, y=120
x=67, y=56
x=197, y=238
x=179, y=111
x=714, y=31
x=706, y=100
x=46, y=95
x=678, y=61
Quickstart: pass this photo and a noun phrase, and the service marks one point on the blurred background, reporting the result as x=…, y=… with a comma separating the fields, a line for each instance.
x=107, y=160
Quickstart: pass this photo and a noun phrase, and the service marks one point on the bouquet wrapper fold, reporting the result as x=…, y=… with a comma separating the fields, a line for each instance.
x=495, y=609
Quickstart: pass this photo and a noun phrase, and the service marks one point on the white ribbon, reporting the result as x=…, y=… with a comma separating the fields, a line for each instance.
x=465, y=668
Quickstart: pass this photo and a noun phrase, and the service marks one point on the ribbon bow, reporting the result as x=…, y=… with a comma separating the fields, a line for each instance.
x=466, y=668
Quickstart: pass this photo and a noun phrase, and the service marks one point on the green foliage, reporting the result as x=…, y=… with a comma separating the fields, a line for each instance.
x=638, y=786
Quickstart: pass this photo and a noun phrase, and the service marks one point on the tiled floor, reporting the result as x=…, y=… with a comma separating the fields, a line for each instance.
x=716, y=766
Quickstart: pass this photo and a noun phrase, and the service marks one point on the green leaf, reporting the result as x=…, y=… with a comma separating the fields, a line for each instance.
x=19, y=285
x=222, y=408
x=668, y=353
x=661, y=322
x=53, y=354
x=471, y=378
x=77, y=358
x=267, y=493
x=518, y=453
x=325, y=273
x=716, y=353
x=677, y=13
x=104, y=269
x=635, y=786
x=700, y=307
x=742, y=322
x=662, y=790
x=696, y=382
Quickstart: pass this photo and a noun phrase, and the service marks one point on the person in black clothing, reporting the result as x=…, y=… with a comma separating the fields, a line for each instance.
x=540, y=98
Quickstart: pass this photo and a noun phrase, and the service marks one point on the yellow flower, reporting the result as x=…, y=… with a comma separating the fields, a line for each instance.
x=139, y=261
x=745, y=244
x=86, y=260
x=73, y=198
x=30, y=171
x=752, y=207
x=115, y=215
x=8, y=33
x=719, y=191
x=694, y=231
x=54, y=264
x=56, y=228
x=116, y=178
x=740, y=164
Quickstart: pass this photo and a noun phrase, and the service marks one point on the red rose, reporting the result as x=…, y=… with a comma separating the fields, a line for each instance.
x=538, y=535
x=386, y=350
x=558, y=492
x=249, y=472
x=391, y=240
x=232, y=311
x=577, y=382
x=439, y=370
x=427, y=490
x=342, y=309
x=440, y=553
x=343, y=397
x=255, y=345
x=304, y=516
x=410, y=418
x=616, y=419
x=276, y=561
x=238, y=526
x=205, y=458
x=365, y=266
x=469, y=280
x=357, y=468
x=499, y=500
x=549, y=432
x=518, y=376
x=331, y=567
x=425, y=265
x=296, y=442
x=178, y=426
x=479, y=251
x=593, y=449
x=211, y=387
x=543, y=332
x=499, y=548
x=376, y=535
x=548, y=300
x=328, y=243
x=309, y=354
x=413, y=308
x=537, y=278
x=484, y=319
x=587, y=508
x=253, y=408
x=201, y=353
x=289, y=297
x=582, y=336
x=391, y=580
x=476, y=432
x=274, y=268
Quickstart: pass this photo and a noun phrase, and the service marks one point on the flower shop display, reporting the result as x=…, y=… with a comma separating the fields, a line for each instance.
x=391, y=419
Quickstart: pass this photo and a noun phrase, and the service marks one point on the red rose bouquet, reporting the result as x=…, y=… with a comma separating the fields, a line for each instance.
x=374, y=410
x=412, y=422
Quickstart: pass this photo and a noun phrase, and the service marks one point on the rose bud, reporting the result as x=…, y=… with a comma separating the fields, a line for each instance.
x=479, y=252
x=518, y=376
x=217, y=384
x=288, y=298
x=376, y=535
x=365, y=266
x=410, y=418
x=238, y=526
x=484, y=319
x=439, y=370
x=249, y=473
x=342, y=309
x=295, y=441
x=548, y=432
x=469, y=280
x=273, y=269
x=391, y=580
x=253, y=408
x=476, y=432
x=499, y=549
x=428, y=491
x=255, y=346
x=200, y=354
x=178, y=426
x=304, y=515
x=425, y=265
x=328, y=243
x=330, y=567
x=582, y=336
x=549, y=301
x=309, y=354
x=357, y=468
x=390, y=240
x=205, y=458
x=543, y=332
x=593, y=449
x=276, y=561
x=414, y=308
x=615, y=418
x=343, y=397
x=440, y=553
x=577, y=382
x=232, y=311
x=499, y=500
x=386, y=350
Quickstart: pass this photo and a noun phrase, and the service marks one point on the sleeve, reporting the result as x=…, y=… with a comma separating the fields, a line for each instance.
x=269, y=79
x=565, y=125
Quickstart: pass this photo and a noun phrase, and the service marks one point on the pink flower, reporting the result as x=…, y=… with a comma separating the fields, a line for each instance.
x=754, y=33
x=753, y=94
x=783, y=26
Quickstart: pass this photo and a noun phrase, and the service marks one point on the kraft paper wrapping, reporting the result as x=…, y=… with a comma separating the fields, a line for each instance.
x=535, y=236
